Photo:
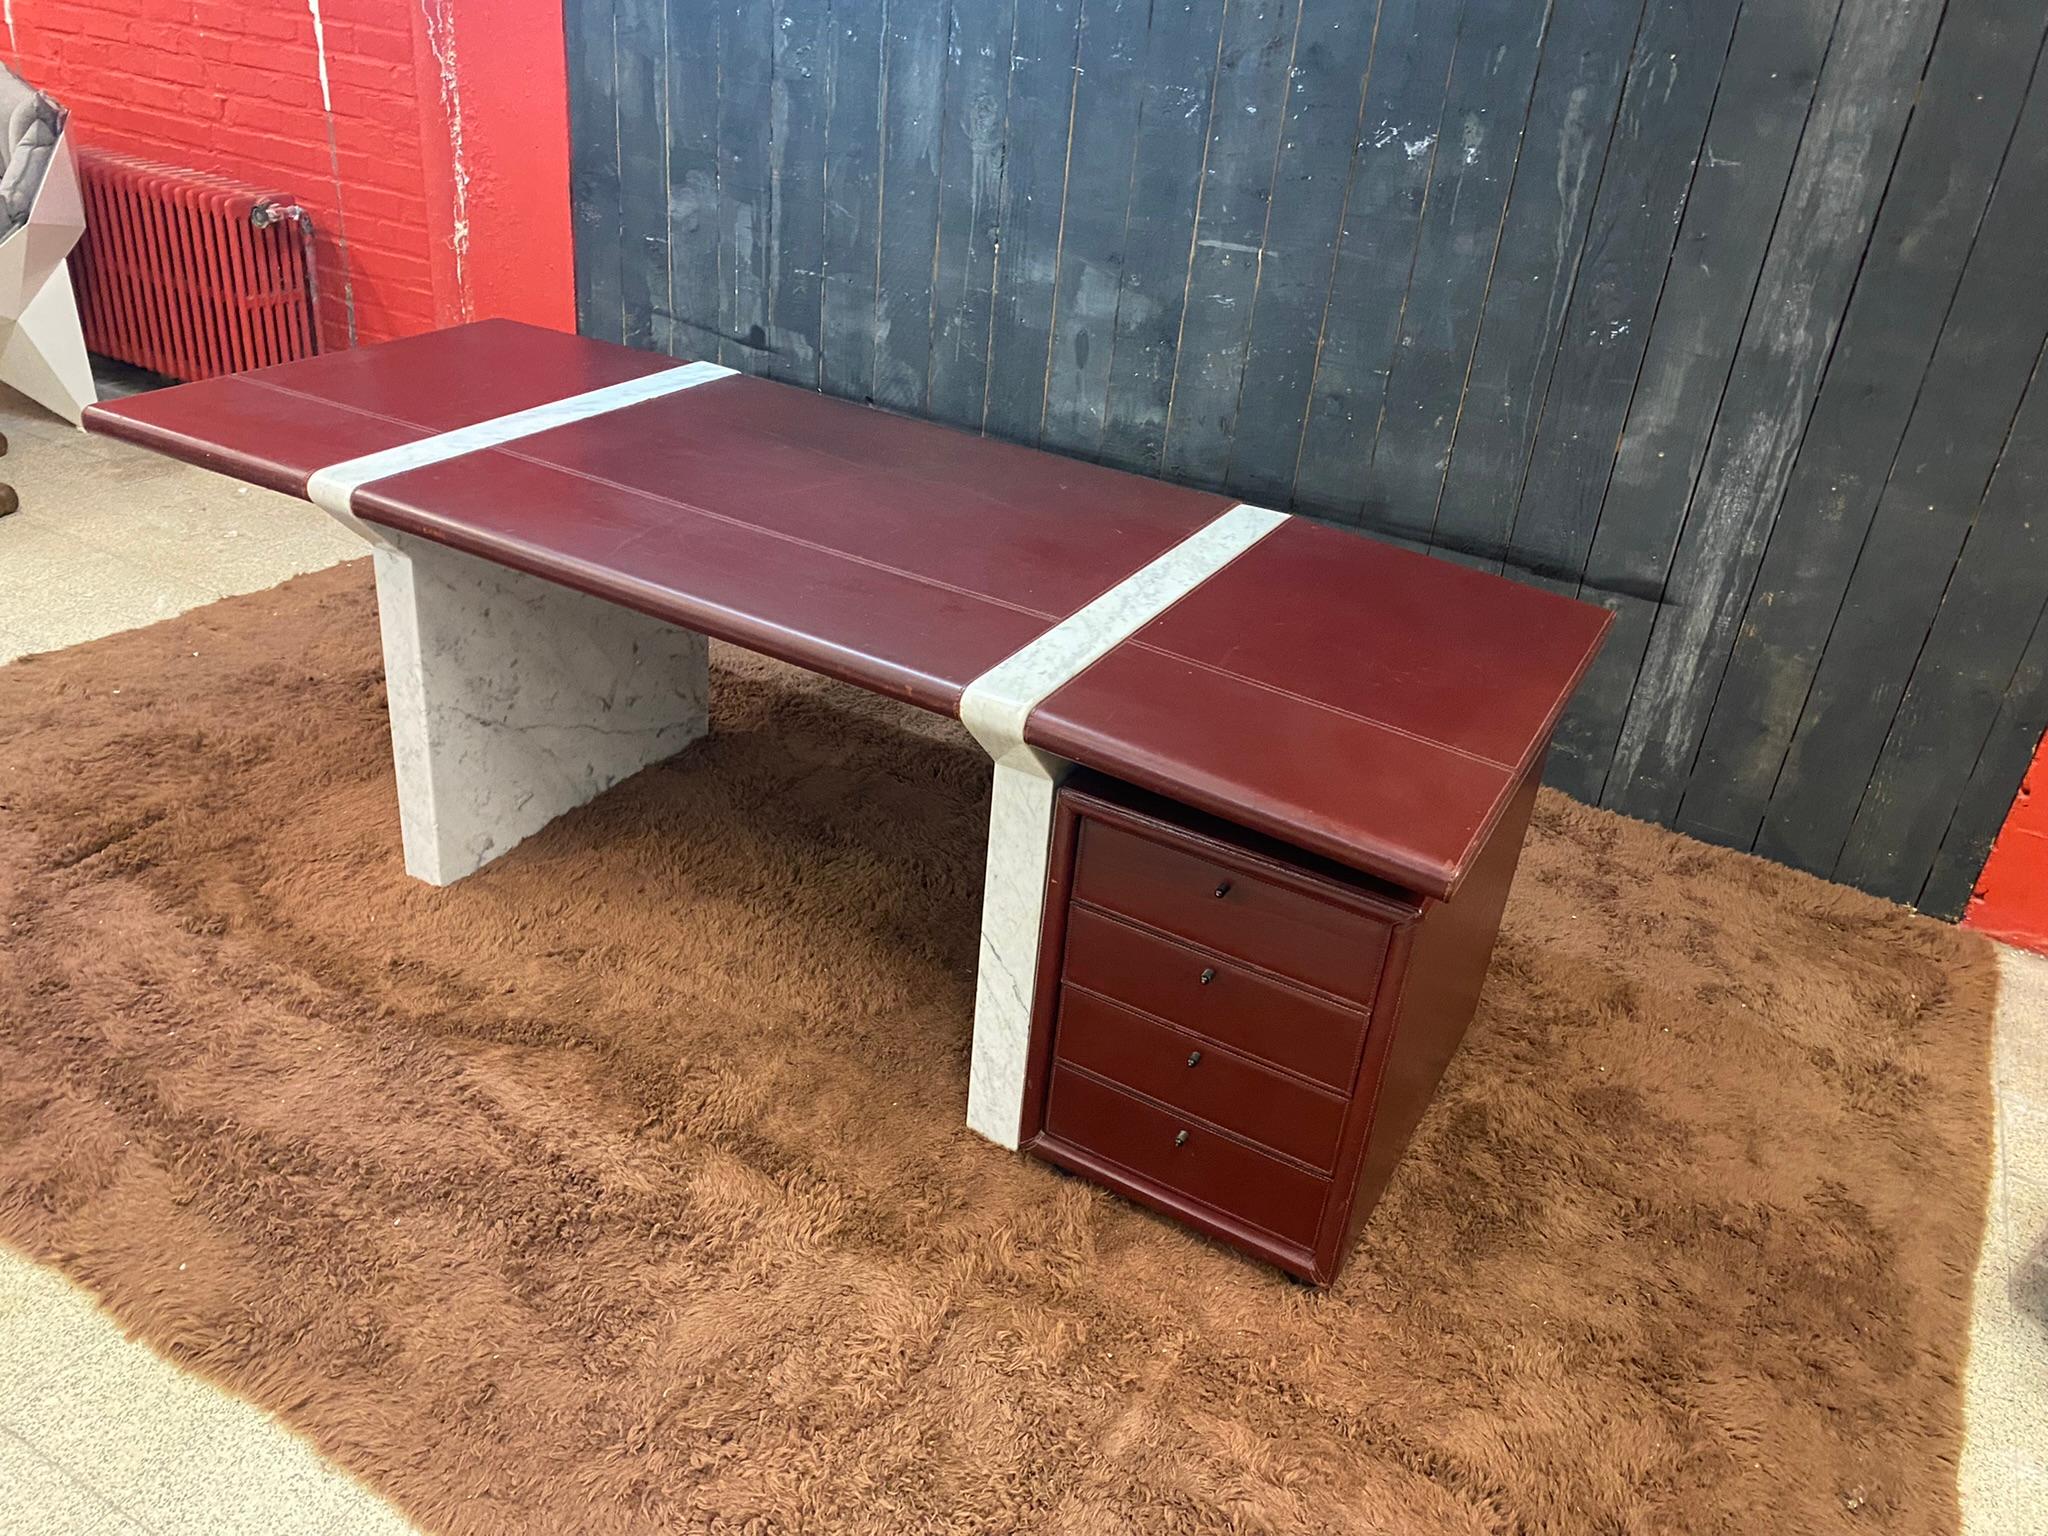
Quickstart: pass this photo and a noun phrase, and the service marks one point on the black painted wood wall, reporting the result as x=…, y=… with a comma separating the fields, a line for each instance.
x=1728, y=314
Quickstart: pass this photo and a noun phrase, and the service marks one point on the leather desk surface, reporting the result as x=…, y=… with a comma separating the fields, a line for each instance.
x=1369, y=704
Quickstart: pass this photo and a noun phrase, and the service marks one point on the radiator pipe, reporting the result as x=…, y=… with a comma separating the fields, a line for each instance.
x=267, y=213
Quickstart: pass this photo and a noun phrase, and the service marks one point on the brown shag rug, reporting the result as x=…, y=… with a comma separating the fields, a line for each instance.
x=624, y=1187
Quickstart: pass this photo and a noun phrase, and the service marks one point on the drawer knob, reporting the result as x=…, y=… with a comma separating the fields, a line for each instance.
x=1180, y=1138
x=1223, y=888
x=1194, y=1058
x=1208, y=974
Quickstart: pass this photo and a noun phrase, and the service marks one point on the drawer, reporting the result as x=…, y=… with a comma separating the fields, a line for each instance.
x=1286, y=930
x=1133, y=1051
x=1238, y=1007
x=1206, y=1166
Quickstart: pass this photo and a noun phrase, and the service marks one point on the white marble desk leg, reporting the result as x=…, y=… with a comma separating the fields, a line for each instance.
x=1012, y=916
x=514, y=699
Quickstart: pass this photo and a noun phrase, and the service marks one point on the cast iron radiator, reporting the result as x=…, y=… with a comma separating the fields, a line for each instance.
x=190, y=274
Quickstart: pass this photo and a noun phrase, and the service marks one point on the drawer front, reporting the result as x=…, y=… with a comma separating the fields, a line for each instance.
x=1284, y=930
x=1136, y=1052
x=1207, y=1166
x=1237, y=1007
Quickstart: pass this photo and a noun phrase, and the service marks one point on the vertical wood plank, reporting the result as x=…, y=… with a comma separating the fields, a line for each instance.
x=1041, y=111
x=1558, y=175
x=745, y=33
x=799, y=97
x=594, y=166
x=1992, y=605
x=1859, y=113
x=1948, y=453
x=1095, y=225
x=1174, y=98
x=1230, y=234
x=853, y=189
x=1976, y=82
x=641, y=30
x=1318, y=143
x=971, y=152
x=1376, y=246
x=1472, y=166
x=913, y=77
x=1658, y=139
x=692, y=300
x=1753, y=136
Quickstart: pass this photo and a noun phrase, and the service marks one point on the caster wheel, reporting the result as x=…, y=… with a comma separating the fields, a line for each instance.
x=3, y=444
x=10, y=500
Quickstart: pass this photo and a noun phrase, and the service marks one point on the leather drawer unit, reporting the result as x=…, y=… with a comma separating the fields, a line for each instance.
x=1240, y=1034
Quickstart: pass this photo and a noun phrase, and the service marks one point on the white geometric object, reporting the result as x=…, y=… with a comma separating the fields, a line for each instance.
x=42, y=349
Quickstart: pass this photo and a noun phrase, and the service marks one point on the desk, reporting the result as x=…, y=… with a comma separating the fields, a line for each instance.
x=558, y=523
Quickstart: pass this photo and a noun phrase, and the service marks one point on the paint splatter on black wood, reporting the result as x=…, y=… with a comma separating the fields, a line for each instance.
x=1319, y=140
x=1253, y=70
x=972, y=134
x=1472, y=166
x=1645, y=184
x=1405, y=100
x=1174, y=103
x=1097, y=206
x=1566, y=153
x=1040, y=116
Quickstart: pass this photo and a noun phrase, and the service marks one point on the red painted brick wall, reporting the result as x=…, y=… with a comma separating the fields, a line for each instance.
x=235, y=86
x=2011, y=901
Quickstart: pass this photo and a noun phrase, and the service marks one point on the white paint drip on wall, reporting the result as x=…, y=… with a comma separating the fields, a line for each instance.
x=7, y=9
x=320, y=57
x=440, y=22
x=348, y=282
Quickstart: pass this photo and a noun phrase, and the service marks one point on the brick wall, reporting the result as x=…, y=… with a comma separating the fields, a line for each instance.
x=234, y=86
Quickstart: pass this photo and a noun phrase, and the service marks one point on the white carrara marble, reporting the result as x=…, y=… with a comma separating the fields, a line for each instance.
x=333, y=488
x=994, y=709
x=1012, y=912
x=513, y=699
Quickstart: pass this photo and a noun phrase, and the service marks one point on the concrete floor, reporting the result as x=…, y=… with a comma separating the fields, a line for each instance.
x=110, y=537
x=97, y=1435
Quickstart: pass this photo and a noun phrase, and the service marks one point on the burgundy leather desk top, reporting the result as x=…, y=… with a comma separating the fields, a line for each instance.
x=1372, y=705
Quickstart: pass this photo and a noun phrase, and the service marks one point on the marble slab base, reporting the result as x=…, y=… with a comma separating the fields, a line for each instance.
x=995, y=709
x=513, y=700
x=1012, y=915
